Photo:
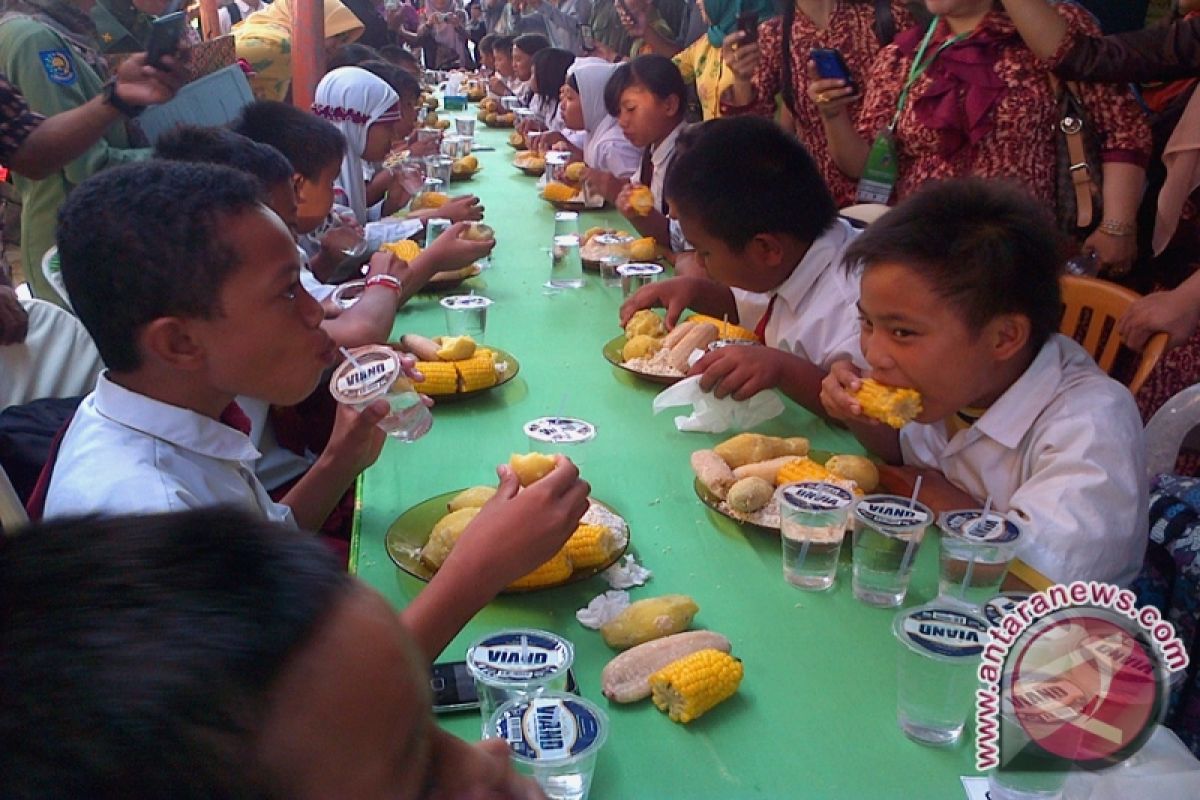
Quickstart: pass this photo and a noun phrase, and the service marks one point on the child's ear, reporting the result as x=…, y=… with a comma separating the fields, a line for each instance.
x=673, y=107
x=169, y=340
x=766, y=249
x=1009, y=335
x=299, y=185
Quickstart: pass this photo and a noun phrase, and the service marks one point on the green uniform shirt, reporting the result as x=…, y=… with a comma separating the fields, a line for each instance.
x=53, y=79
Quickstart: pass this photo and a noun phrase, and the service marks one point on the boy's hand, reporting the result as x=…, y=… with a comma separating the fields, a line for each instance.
x=607, y=185
x=356, y=439
x=740, y=371
x=676, y=295
x=418, y=147
x=937, y=491
x=450, y=251
x=481, y=771
x=518, y=531
x=837, y=394
x=462, y=208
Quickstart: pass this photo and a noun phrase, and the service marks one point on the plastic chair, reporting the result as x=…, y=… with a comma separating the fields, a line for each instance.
x=1090, y=313
x=1168, y=430
x=57, y=358
x=53, y=273
x=12, y=513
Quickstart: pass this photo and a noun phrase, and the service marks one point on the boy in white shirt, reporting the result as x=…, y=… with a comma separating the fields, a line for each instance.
x=190, y=287
x=765, y=228
x=960, y=301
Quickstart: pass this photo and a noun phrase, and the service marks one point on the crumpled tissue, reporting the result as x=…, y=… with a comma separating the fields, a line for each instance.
x=603, y=609
x=710, y=415
x=626, y=573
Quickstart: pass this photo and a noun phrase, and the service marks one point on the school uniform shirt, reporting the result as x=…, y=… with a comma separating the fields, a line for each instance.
x=656, y=165
x=276, y=465
x=1062, y=453
x=225, y=19
x=815, y=315
x=126, y=453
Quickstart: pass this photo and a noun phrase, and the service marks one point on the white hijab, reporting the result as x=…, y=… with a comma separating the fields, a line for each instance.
x=353, y=99
x=604, y=134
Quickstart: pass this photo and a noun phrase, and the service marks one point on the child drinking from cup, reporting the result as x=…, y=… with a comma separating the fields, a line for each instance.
x=960, y=301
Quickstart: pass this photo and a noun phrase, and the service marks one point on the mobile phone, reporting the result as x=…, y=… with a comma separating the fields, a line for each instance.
x=747, y=23
x=165, y=34
x=454, y=688
x=587, y=38
x=830, y=64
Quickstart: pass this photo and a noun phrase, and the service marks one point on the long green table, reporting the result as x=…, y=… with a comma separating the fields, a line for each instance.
x=815, y=716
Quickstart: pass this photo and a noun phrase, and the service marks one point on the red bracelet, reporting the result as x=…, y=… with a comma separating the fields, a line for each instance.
x=390, y=281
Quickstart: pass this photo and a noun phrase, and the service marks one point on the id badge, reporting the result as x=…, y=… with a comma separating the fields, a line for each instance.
x=879, y=176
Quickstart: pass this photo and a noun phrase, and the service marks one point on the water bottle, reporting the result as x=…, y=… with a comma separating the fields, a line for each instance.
x=566, y=264
x=1086, y=264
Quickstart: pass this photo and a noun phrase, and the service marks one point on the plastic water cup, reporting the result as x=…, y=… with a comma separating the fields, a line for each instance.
x=566, y=262
x=812, y=525
x=377, y=373
x=438, y=167
x=349, y=293
x=556, y=165
x=466, y=315
x=465, y=126
x=511, y=103
x=435, y=227
x=938, y=655
x=452, y=146
x=568, y=436
x=975, y=555
x=428, y=134
x=636, y=275
x=1027, y=771
x=888, y=530
x=556, y=738
x=517, y=664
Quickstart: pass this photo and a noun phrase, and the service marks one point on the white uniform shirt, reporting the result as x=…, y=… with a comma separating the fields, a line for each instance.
x=1062, y=452
x=660, y=160
x=125, y=453
x=816, y=315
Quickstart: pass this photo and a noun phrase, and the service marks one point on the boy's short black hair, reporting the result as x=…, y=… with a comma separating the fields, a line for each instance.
x=137, y=654
x=986, y=246
x=487, y=43
x=739, y=177
x=311, y=144
x=351, y=55
x=658, y=74
x=403, y=83
x=531, y=43
x=503, y=43
x=397, y=53
x=143, y=241
x=223, y=146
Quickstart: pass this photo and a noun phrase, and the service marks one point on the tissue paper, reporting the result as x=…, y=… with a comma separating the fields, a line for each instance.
x=603, y=609
x=712, y=415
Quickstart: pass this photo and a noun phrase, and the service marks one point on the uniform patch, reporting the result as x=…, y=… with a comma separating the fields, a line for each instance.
x=59, y=67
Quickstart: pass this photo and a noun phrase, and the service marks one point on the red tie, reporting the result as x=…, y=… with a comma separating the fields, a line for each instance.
x=234, y=417
x=760, y=330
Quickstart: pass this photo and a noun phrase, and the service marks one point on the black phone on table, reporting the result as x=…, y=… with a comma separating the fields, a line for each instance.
x=166, y=32
x=587, y=38
x=830, y=64
x=747, y=23
x=454, y=688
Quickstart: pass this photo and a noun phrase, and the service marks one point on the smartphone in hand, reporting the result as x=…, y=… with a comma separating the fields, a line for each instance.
x=166, y=32
x=587, y=38
x=830, y=64
x=747, y=23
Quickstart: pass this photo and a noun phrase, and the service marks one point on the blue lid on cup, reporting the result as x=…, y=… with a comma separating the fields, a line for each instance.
x=889, y=511
x=549, y=728
x=815, y=496
x=970, y=525
x=1002, y=604
x=519, y=656
x=942, y=631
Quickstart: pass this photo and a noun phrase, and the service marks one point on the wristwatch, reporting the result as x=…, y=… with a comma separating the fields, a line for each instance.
x=110, y=97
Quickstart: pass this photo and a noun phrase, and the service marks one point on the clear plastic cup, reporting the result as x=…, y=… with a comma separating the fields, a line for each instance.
x=636, y=275
x=438, y=167
x=435, y=227
x=888, y=530
x=555, y=738
x=812, y=525
x=566, y=262
x=453, y=146
x=377, y=373
x=975, y=555
x=516, y=664
x=568, y=436
x=428, y=134
x=349, y=293
x=465, y=126
x=939, y=651
x=430, y=185
x=556, y=165
x=466, y=315
x=511, y=103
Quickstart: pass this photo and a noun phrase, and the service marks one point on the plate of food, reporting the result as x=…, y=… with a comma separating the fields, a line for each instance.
x=565, y=197
x=463, y=169
x=599, y=243
x=451, y=278
x=456, y=368
x=517, y=141
x=503, y=120
x=530, y=163
x=739, y=476
x=422, y=537
x=649, y=351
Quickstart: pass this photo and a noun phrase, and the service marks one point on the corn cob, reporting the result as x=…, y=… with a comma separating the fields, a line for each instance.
x=574, y=171
x=725, y=329
x=557, y=192
x=456, y=348
x=641, y=200
x=804, y=469
x=689, y=687
x=440, y=378
x=590, y=546
x=891, y=404
x=478, y=372
x=429, y=200
x=553, y=572
x=405, y=249
x=643, y=249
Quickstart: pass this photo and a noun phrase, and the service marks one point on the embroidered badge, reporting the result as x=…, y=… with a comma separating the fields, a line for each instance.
x=59, y=67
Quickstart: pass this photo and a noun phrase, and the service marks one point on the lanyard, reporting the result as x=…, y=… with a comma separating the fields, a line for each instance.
x=918, y=67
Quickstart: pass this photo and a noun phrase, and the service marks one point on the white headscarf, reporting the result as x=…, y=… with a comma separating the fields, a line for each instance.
x=606, y=141
x=353, y=99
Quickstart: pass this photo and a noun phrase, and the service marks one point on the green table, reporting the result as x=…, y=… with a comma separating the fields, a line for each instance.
x=815, y=716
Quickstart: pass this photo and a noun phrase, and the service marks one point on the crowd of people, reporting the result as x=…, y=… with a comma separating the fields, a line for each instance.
x=202, y=270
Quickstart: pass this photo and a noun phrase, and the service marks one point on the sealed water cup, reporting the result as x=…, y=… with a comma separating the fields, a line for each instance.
x=812, y=524
x=377, y=373
x=975, y=554
x=888, y=530
x=554, y=737
x=465, y=126
x=636, y=275
x=939, y=652
x=466, y=315
x=518, y=663
x=349, y=293
x=566, y=435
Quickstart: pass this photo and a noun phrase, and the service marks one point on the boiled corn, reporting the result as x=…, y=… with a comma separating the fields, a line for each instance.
x=557, y=192
x=893, y=405
x=440, y=377
x=553, y=572
x=405, y=249
x=641, y=200
x=725, y=328
x=456, y=348
x=477, y=372
x=590, y=546
x=804, y=469
x=694, y=684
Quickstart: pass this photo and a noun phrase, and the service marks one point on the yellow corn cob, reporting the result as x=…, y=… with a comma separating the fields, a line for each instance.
x=803, y=470
x=891, y=404
x=689, y=687
x=574, y=171
x=554, y=571
x=477, y=372
x=557, y=192
x=590, y=546
x=440, y=378
x=429, y=200
x=405, y=249
x=456, y=348
x=643, y=249
x=641, y=200
x=725, y=329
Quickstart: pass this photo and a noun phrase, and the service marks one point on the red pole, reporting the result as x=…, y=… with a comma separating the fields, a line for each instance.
x=308, y=49
x=210, y=21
